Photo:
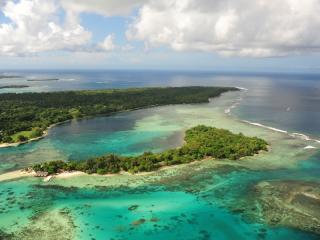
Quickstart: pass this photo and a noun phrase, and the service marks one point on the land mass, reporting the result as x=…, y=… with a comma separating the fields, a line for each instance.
x=200, y=142
x=43, y=80
x=8, y=76
x=25, y=116
x=14, y=86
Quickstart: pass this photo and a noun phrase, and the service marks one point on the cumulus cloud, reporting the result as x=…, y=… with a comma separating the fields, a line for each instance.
x=103, y=7
x=108, y=43
x=258, y=28
x=35, y=27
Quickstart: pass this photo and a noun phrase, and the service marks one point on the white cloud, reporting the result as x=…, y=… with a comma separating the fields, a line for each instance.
x=108, y=43
x=103, y=7
x=35, y=27
x=258, y=28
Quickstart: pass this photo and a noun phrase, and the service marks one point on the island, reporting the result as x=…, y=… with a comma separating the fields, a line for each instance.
x=26, y=116
x=43, y=80
x=201, y=142
x=9, y=76
x=14, y=86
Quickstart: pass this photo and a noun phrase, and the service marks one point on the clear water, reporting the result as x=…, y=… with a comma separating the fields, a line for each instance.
x=187, y=202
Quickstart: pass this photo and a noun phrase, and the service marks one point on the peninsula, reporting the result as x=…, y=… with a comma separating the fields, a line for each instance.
x=26, y=116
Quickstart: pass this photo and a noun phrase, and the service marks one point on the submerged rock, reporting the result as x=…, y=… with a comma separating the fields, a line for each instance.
x=138, y=222
x=133, y=207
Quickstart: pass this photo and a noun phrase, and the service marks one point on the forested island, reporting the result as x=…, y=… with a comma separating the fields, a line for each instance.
x=25, y=116
x=200, y=142
x=9, y=76
x=14, y=86
x=43, y=80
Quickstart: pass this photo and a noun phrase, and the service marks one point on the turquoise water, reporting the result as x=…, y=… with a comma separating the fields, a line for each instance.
x=167, y=211
x=197, y=201
x=83, y=139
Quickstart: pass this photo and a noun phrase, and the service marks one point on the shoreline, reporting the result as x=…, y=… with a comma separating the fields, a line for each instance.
x=296, y=135
x=17, y=174
x=180, y=178
x=77, y=173
x=14, y=175
x=46, y=131
x=8, y=145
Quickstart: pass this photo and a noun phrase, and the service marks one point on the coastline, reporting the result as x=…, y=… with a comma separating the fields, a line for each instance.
x=296, y=135
x=310, y=149
x=17, y=174
x=7, y=145
x=307, y=147
x=45, y=132
x=217, y=183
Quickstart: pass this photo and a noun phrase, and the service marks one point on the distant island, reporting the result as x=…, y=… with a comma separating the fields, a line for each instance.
x=200, y=142
x=26, y=116
x=9, y=76
x=43, y=80
x=14, y=86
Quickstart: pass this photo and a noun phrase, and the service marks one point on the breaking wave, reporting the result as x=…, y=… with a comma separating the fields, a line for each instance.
x=294, y=135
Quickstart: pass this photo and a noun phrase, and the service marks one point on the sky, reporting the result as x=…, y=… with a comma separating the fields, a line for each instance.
x=215, y=35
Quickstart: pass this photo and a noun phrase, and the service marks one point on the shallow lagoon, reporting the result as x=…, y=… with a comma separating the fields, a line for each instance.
x=195, y=201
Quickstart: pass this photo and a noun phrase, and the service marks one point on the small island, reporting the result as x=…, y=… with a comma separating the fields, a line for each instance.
x=26, y=116
x=201, y=142
x=9, y=76
x=14, y=86
x=43, y=80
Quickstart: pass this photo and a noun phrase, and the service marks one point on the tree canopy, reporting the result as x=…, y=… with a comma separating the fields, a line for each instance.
x=200, y=142
x=26, y=115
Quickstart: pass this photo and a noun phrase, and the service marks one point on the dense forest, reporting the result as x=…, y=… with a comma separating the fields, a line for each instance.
x=27, y=115
x=200, y=142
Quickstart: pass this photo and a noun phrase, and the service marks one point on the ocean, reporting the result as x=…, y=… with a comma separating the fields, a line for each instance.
x=190, y=202
x=288, y=101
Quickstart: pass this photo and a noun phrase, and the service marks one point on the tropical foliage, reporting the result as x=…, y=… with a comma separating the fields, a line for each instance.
x=200, y=142
x=27, y=115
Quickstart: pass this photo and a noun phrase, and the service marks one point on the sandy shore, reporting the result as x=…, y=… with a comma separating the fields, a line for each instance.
x=66, y=175
x=21, y=173
x=15, y=175
x=5, y=145
x=69, y=174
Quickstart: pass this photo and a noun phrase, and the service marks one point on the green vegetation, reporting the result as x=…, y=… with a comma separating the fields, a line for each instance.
x=201, y=142
x=27, y=115
x=14, y=86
